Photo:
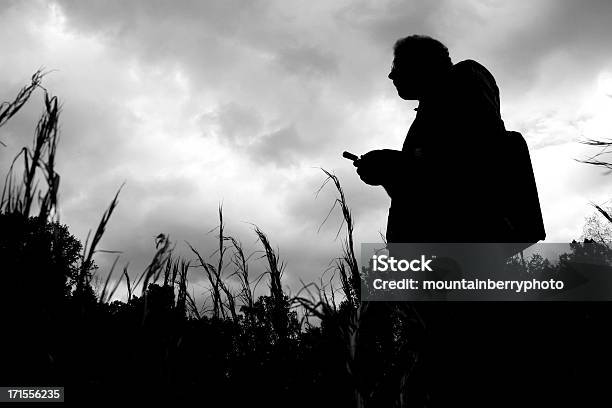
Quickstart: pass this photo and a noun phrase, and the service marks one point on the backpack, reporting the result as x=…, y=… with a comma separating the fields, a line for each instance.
x=517, y=195
x=521, y=206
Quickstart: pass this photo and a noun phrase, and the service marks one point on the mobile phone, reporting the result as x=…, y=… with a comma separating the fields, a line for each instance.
x=350, y=156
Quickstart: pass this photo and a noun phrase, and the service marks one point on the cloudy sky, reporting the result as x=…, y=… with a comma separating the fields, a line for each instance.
x=197, y=103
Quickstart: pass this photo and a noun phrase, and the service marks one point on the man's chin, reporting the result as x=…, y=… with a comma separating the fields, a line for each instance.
x=406, y=95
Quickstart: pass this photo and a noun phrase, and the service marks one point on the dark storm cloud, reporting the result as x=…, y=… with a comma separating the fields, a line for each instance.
x=236, y=124
x=242, y=129
x=580, y=28
x=212, y=37
x=307, y=61
x=117, y=18
x=386, y=21
x=282, y=147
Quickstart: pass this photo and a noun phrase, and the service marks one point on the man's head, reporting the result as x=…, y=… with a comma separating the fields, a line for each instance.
x=419, y=64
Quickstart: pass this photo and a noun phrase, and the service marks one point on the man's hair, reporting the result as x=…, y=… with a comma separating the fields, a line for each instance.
x=426, y=49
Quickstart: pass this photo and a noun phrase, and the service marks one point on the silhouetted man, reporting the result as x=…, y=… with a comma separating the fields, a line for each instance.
x=442, y=183
x=449, y=183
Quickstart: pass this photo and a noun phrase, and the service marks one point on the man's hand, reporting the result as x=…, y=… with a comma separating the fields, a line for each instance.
x=379, y=166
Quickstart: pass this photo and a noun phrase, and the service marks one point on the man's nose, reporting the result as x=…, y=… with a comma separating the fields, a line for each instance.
x=390, y=76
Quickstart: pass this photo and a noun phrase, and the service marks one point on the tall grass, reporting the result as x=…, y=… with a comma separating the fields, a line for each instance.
x=347, y=322
x=9, y=109
x=20, y=196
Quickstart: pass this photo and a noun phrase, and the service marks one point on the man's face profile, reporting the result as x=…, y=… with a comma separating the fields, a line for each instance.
x=406, y=78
